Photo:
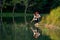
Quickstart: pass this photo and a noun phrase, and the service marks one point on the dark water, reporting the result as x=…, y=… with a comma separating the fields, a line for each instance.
x=16, y=19
x=8, y=31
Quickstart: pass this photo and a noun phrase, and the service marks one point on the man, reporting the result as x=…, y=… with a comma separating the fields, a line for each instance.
x=36, y=20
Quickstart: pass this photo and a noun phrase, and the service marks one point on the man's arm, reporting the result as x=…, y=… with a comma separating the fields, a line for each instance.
x=39, y=16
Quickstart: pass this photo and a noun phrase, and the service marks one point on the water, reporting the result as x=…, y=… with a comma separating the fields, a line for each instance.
x=16, y=19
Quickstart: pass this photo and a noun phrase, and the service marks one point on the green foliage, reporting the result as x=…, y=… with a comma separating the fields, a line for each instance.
x=15, y=1
x=54, y=17
x=50, y=24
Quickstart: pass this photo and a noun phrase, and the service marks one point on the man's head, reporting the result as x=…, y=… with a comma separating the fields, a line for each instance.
x=36, y=12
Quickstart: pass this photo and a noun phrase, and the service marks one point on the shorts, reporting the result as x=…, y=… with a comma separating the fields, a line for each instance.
x=36, y=21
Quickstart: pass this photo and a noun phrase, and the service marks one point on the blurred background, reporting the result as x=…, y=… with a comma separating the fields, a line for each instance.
x=15, y=14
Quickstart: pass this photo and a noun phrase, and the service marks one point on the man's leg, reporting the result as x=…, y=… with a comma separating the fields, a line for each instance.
x=36, y=24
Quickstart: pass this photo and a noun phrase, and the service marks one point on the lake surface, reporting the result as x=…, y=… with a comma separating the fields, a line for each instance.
x=16, y=19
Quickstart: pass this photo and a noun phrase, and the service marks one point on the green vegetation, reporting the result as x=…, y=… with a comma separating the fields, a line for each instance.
x=50, y=24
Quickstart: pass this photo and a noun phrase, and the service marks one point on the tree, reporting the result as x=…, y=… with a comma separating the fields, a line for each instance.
x=27, y=3
x=1, y=25
x=2, y=5
x=14, y=2
x=26, y=6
